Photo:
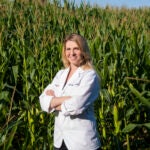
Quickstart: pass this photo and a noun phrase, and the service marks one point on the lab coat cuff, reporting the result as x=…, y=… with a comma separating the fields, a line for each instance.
x=64, y=110
x=45, y=103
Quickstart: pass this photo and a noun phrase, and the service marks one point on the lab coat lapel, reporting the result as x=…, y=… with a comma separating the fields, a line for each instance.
x=64, y=77
x=76, y=76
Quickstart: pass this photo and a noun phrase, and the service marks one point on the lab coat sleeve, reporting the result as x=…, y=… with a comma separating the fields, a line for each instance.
x=85, y=95
x=44, y=99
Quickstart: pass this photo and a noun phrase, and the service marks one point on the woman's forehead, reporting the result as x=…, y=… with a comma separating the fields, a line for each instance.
x=71, y=43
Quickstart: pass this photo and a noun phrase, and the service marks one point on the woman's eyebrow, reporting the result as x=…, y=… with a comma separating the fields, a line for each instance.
x=73, y=47
x=76, y=47
x=67, y=47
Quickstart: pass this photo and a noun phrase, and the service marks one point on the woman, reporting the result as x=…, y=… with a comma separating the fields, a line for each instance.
x=71, y=95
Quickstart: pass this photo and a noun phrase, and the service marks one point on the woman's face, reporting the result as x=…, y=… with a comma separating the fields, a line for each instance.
x=73, y=53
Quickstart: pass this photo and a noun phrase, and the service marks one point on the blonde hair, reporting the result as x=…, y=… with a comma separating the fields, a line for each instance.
x=86, y=62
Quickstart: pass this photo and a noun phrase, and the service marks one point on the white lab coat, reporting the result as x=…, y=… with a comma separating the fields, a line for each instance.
x=75, y=123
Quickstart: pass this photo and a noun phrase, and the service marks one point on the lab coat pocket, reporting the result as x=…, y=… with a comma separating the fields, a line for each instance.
x=75, y=83
x=81, y=124
x=73, y=88
x=56, y=89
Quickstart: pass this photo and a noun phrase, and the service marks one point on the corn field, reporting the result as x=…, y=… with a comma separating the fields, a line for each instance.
x=31, y=35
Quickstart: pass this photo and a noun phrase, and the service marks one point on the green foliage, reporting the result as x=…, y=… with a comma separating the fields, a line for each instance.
x=31, y=33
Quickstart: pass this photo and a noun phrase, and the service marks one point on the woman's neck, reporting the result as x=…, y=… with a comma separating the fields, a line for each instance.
x=73, y=68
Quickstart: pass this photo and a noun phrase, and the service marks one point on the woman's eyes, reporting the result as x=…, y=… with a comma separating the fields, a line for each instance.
x=76, y=48
x=67, y=49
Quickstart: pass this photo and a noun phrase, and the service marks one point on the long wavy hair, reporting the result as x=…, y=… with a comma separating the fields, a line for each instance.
x=86, y=61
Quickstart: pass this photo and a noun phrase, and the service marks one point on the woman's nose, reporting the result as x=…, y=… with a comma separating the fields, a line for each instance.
x=72, y=52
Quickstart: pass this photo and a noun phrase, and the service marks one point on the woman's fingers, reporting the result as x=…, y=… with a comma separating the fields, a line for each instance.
x=50, y=93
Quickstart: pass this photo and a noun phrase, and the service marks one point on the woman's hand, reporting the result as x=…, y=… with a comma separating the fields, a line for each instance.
x=50, y=93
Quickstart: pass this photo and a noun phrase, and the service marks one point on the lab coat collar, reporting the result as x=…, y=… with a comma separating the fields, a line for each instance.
x=77, y=75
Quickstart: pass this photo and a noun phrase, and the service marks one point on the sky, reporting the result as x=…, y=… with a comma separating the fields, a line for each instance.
x=117, y=3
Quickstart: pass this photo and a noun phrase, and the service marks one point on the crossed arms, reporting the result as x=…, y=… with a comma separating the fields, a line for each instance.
x=56, y=101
